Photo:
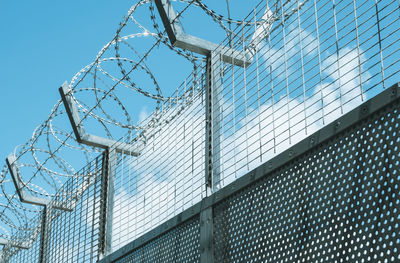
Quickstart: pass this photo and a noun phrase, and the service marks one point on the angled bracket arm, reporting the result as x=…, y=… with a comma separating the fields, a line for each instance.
x=188, y=42
x=23, y=245
x=22, y=194
x=89, y=139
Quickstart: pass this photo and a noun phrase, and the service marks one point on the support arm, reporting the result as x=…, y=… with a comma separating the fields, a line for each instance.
x=188, y=42
x=23, y=195
x=89, y=139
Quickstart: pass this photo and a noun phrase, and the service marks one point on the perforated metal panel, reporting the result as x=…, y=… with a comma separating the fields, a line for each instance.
x=181, y=244
x=338, y=203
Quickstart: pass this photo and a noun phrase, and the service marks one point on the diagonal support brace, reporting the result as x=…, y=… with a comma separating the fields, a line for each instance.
x=188, y=42
x=22, y=245
x=22, y=194
x=89, y=139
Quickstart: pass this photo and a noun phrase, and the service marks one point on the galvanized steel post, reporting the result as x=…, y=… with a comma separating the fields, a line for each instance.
x=44, y=234
x=206, y=236
x=107, y=201
x=213, y=121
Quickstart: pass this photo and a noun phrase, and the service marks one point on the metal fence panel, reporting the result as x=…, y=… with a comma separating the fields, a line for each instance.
x=312, y=61
x=168, y=176
x=23, y=255
x=181, y=244
x=337, y=203
x=70, y=235
x=333, y=197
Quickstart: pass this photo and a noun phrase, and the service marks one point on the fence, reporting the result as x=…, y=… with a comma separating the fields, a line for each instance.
x=330, y=198
x=269, y=160
x=72, y=234
x=312, y=61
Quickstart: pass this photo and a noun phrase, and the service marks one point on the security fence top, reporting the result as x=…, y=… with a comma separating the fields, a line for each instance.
x=21, y=191
x=89, y=139
x=22, y=245
x=185, y=41
x=291, y=77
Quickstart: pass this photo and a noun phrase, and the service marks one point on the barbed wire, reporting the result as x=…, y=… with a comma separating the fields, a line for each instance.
x=49, y=138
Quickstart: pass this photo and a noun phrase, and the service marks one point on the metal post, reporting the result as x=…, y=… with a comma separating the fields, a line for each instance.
x=208, y=141
x=46, y=226
x=107, y=201
x=206, y=236
x=213, y=121
x=5, y=253
x=112, y=167
x=216, y=91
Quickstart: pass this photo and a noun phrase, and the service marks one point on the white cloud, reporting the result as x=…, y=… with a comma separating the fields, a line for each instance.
x=273, y=128
x=345, y=70
x=143, y=115
x=166, y=179
x=136, y=214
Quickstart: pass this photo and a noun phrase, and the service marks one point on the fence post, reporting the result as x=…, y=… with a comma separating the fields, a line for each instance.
x=46, y=226
x=5, y=253
x=213, y=121
x=206, y=236
x=107, y=201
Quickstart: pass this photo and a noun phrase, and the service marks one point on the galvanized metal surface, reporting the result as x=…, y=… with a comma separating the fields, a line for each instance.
x=206, y=236
x=44, y=234
x=112, y=171
x=180, y=244
x=335, y=203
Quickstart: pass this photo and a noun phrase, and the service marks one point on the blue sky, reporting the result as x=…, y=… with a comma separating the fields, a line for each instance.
x=43, y=44
x=47, y=42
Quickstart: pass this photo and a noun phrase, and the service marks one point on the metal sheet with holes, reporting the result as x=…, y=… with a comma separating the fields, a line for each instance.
x=338, y=203
x=180, y=244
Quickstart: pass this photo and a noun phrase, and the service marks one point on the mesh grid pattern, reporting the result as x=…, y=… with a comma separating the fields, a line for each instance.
x=181, y=244
x=166, y=178
x=338, y=203
x=72, y=236
x=24, y=255
x=319, y=60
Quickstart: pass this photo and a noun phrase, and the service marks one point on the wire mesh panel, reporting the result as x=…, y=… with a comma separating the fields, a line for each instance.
x=337, y=203
x=73, y=236
x=69, y=228
x=181, y=244
x=168, y=176
x=311, y=62
x=303, y=64
x=17, y=255
x=24, y=245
